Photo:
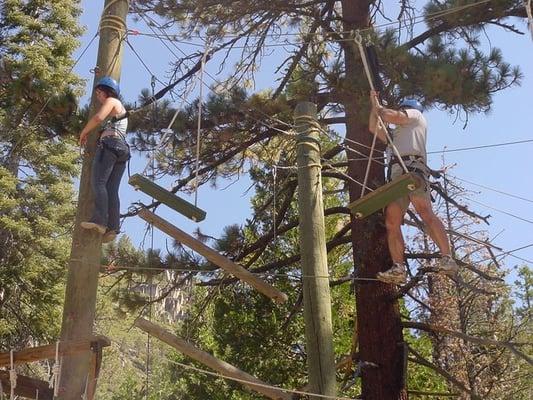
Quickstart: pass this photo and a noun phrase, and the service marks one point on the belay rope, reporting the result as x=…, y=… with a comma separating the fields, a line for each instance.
x=380, y=124
x=56, y=373
x=199, y=126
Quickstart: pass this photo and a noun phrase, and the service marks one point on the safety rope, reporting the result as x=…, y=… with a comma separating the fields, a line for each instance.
x=380, y=124
x=199, y=125
x=56, y=373
x=12, y=376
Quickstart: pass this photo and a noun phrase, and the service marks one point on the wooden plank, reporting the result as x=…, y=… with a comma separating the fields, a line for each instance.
x=384, y=195
x=164, y=196
x=210, y=361
x=213, y=256
x=27, y=387
x=47, y=352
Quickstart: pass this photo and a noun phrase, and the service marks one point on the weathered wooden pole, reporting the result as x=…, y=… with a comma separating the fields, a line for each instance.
x=317, y=300
x=207, y=359
x=84, y=264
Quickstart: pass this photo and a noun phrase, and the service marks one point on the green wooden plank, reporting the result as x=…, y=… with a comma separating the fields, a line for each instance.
x=164, y=196
x=384, y=195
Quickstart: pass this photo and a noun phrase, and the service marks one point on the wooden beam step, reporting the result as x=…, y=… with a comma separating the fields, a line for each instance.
x=166, y=197
x=210, y=361
x=384, y=195
x=48, y=351
x=213, y=256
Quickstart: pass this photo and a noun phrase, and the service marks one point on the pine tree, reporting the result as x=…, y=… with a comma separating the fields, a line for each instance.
x=432, y=65
x=37, y=164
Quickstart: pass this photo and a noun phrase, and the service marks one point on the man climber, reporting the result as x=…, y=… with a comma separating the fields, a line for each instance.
x=409, y=138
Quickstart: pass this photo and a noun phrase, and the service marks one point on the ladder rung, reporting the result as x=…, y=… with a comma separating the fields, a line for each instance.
x=164, y=196
x=384, y=195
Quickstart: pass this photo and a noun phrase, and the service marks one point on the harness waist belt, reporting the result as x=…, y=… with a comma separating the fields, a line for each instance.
x=394, y=159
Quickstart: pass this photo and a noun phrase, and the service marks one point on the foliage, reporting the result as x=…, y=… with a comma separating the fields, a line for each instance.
x=37, y=168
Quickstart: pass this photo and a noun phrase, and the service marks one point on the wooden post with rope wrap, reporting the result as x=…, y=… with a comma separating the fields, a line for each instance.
x=84, y=263
x=317, y=299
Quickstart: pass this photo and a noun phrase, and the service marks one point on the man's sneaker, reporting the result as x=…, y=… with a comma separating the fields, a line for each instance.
x=109, y=236
x=447, y=266
x=395, y=275
x=91, y=225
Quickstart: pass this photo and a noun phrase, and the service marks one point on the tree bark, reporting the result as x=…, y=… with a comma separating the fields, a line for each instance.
x=378, y=318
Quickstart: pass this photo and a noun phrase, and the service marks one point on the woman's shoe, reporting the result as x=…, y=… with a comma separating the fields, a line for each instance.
x=91, y=225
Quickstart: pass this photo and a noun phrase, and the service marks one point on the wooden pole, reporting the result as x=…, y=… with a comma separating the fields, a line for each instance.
x=84, y=264
x=213, y=256
x=317, y=300
x=207, y=359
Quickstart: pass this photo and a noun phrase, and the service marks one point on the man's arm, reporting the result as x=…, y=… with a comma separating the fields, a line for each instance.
x=390, y=116
x=375, y=127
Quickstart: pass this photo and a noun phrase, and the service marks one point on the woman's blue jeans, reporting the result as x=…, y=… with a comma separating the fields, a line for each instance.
x=109, y=165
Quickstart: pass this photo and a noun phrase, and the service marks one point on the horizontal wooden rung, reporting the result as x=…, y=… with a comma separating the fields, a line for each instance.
x=166, y=197
x=48, y=351
x=27, y=387
x=384, y=195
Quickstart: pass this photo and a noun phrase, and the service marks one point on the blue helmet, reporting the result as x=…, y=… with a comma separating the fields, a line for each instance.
x=411, y=102
x=110, y=83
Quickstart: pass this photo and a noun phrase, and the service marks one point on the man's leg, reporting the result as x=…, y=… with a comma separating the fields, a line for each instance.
x=434, y=225
x=436, y=231
x=393, y=221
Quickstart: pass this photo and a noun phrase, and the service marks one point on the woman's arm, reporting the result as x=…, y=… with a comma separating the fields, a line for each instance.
x=97, y=119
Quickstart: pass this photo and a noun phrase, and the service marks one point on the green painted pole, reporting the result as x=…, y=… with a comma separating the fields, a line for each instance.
x=317, y=299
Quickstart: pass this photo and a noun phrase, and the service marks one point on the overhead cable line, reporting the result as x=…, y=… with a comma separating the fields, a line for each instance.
x=417, y=19
x=492, y=189
x=502, y=211
x=480, y=147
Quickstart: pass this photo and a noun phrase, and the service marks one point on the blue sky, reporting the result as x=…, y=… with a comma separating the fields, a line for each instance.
x=507, y=168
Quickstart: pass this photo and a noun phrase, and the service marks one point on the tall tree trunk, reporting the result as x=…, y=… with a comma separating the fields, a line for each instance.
x=378, y=317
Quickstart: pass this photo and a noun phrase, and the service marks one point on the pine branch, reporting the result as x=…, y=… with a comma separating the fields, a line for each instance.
x=484, y=16
x=481, y=341
x=419, y=359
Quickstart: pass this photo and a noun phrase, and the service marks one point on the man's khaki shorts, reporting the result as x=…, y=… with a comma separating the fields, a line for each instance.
x=421, y=173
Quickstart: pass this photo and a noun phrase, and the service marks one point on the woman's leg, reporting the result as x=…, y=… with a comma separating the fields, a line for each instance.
x=113, y=184
x=103, y=165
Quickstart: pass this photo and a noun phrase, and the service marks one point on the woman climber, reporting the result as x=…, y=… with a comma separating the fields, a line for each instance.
x=109, y=164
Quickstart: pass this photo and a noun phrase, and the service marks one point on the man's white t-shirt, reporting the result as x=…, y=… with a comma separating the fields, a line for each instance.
x=410, y=139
